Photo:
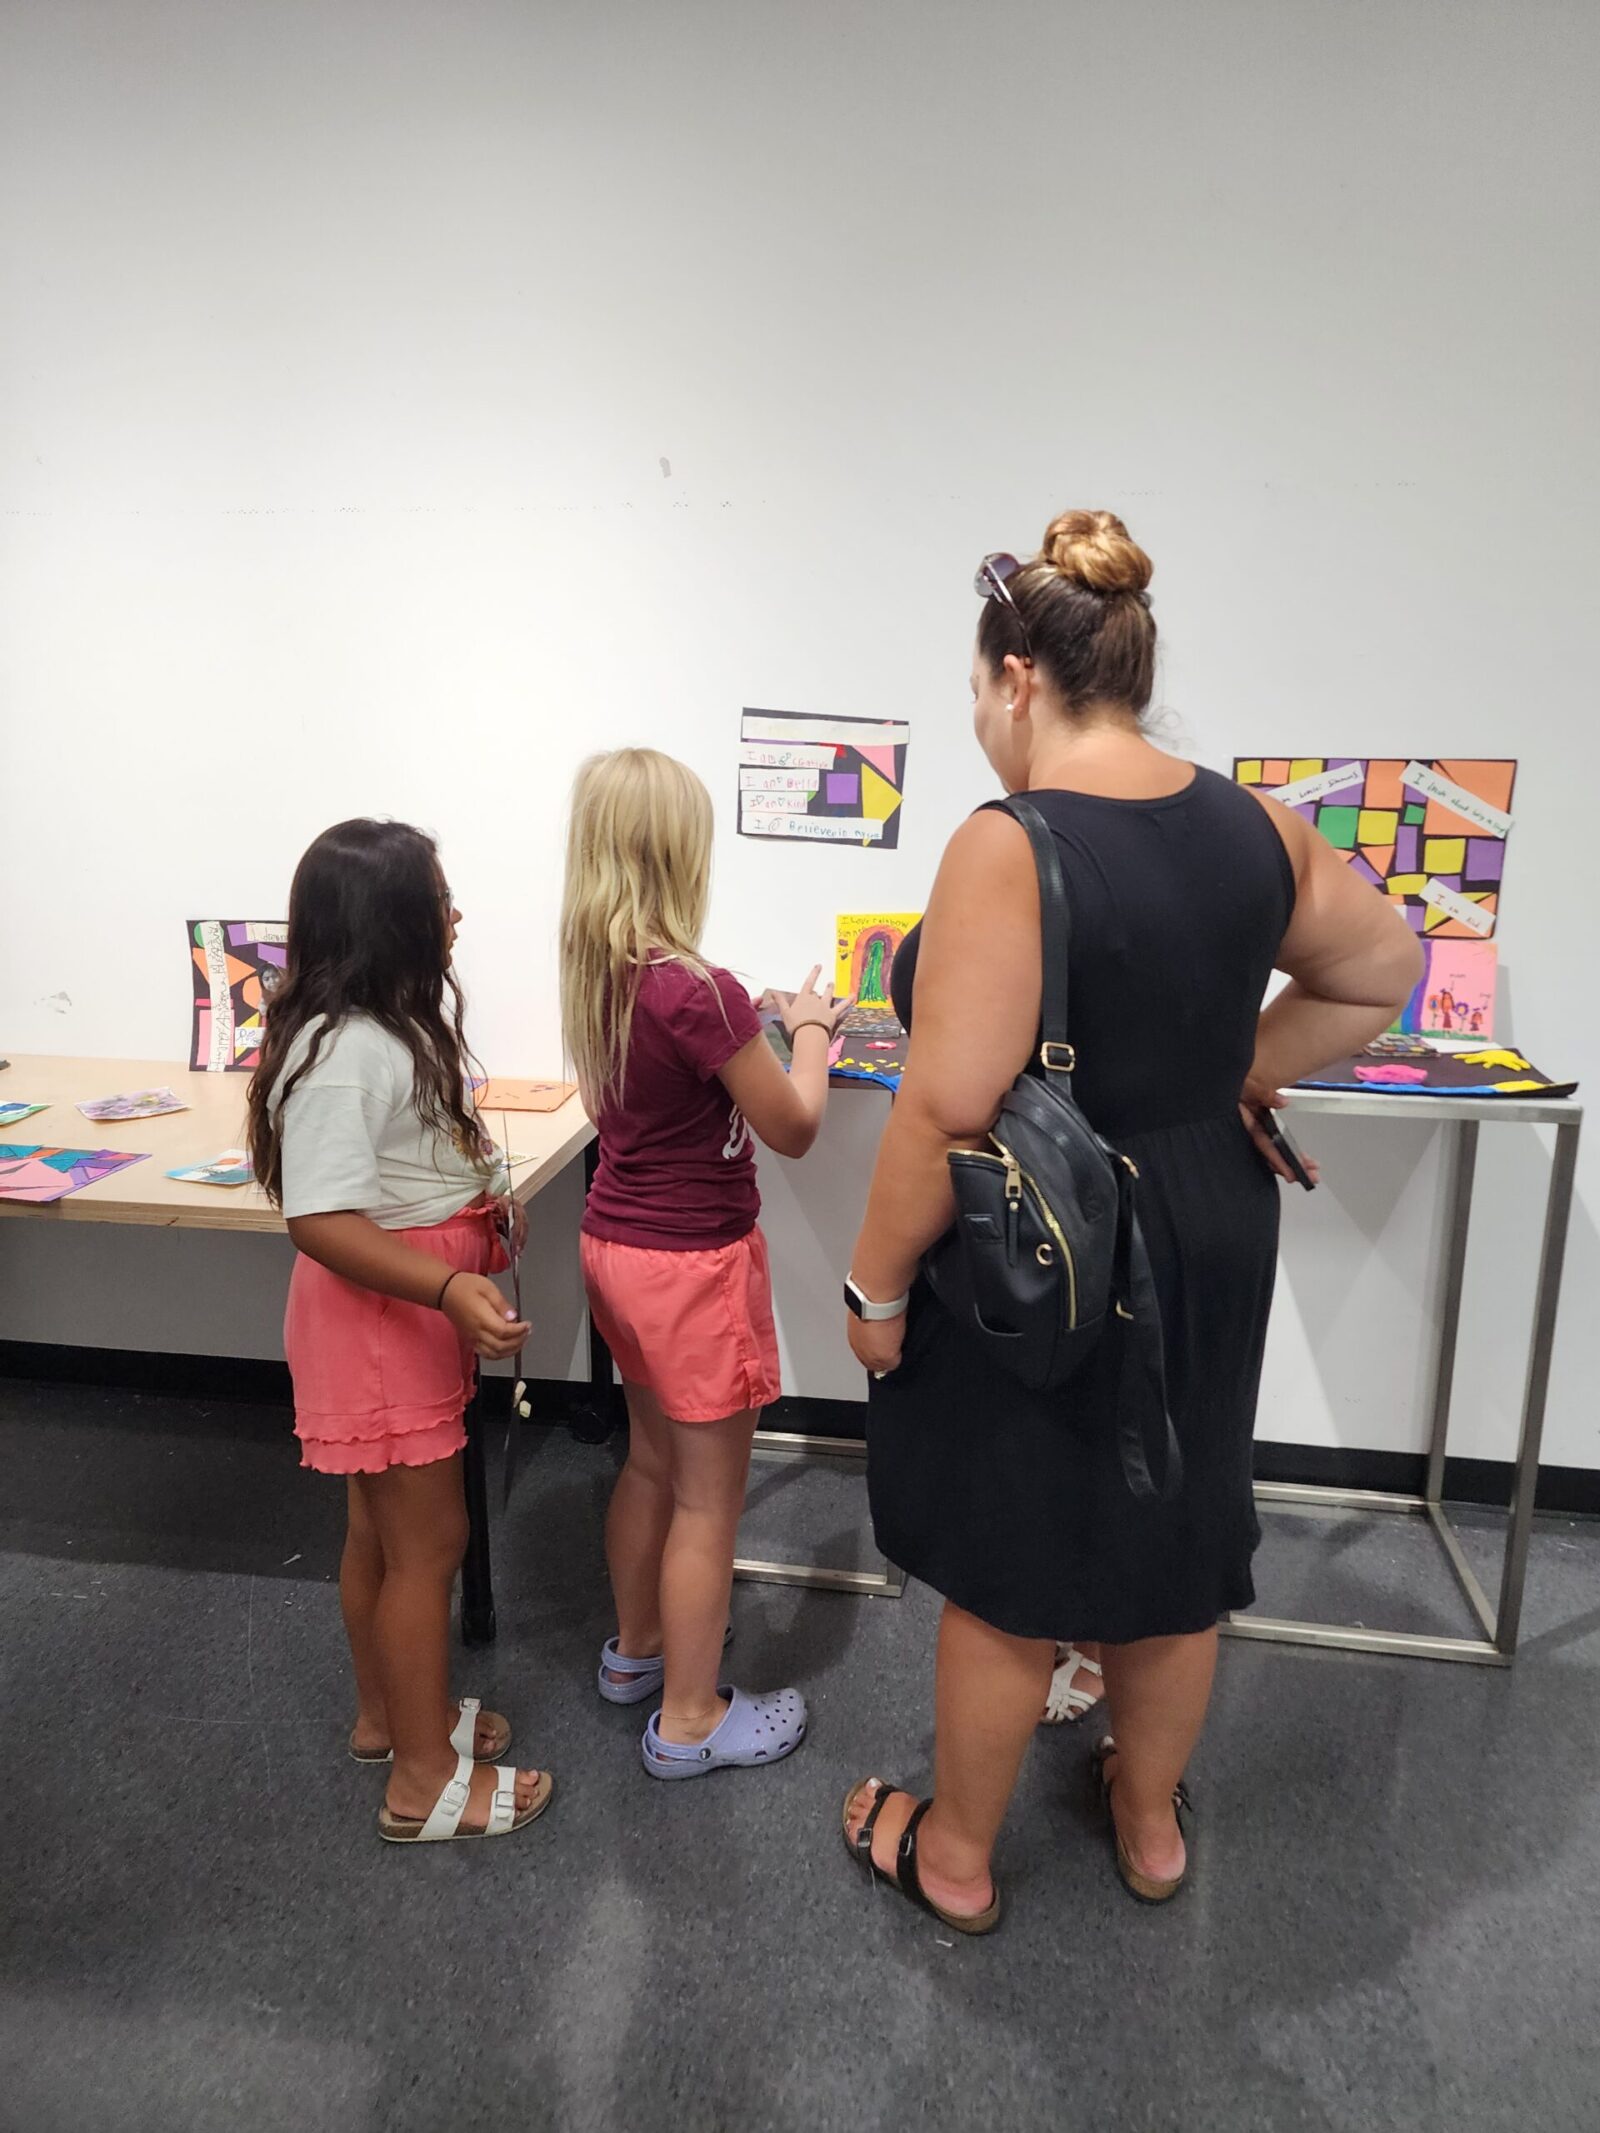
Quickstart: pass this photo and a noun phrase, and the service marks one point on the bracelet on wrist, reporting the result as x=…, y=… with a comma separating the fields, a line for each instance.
x=438, y=1301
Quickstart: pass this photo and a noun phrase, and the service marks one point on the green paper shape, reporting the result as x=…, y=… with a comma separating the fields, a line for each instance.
x=1338, y=825
x=1414, y=816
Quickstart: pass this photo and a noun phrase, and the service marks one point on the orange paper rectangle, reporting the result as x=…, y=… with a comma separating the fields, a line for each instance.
x=502, y=1095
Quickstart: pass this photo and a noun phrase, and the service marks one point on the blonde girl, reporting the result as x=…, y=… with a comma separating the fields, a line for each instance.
x=677, y=1075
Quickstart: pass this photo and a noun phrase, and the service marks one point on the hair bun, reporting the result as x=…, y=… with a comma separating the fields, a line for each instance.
x=1096, y=549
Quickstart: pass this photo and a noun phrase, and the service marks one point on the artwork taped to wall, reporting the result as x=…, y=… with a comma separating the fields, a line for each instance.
x=40, y=1175
x=1455, y=994
x=1429, y=831
x=811, y=779
x=238, y=964
x=865, y=946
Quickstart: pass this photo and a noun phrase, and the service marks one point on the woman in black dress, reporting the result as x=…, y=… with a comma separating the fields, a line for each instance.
x=1186, y=892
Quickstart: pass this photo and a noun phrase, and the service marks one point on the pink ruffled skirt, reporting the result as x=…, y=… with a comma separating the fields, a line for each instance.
x=377, y=1382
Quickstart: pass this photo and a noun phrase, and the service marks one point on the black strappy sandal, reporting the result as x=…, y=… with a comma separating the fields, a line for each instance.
x=906, y=1879
x=1143, y=1888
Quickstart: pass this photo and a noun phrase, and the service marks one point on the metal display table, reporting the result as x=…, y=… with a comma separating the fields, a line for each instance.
x=1463, y=1116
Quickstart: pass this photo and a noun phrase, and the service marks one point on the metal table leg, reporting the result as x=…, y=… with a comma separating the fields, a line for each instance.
x=885, y=1584
x=477, y=1583
x=1499, y=1626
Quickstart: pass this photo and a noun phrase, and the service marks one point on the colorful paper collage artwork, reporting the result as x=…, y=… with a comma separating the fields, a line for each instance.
x=135, y=1103
x=818, y=780
x=12, y=1114
x=39, y=1175
x=1395, y=1066
x=1430, y=832
x=1455, y=995
x=231, y=1167
x=864, y=953
x=238, y=964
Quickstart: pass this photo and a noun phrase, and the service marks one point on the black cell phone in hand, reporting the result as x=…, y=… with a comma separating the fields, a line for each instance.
x=1286, y=1148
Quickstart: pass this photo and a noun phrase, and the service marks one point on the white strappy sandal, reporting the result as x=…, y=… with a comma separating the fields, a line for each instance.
x=463, y=1737
x=443, y=1825
x=1066, y=1704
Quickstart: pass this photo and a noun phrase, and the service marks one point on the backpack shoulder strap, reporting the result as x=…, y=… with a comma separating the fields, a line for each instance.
x=1055, y=921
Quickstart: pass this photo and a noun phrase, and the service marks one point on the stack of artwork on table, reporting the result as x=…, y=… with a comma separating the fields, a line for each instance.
x=1431, y=833
x=39, y=1175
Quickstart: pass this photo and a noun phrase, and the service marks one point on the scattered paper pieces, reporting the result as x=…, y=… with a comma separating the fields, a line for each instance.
x=39, y=1175
x=500, y=1095
x=237, y=965
x=814, y=779
x=1397, y=1066
x=135, y=1103
x=12, y=1114
x=1431, y=833
x=231, y=1167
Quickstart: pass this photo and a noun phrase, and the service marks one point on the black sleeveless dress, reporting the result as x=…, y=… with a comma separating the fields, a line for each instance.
x=1013, y=1503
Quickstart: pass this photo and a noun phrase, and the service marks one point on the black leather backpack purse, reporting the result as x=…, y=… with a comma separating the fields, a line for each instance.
x=1045, y=1259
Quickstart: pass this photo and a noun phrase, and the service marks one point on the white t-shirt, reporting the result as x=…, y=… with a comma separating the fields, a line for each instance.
x=352, y=1139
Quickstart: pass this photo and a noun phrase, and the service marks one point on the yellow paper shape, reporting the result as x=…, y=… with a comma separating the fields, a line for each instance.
x=1508, y=1062
x=1377, y=825
x=1249, y=773
x=1520, y=1088
x=1434, y=918
x=1406, y=884
x=1305, y=766
x=878, y=797
x=1444, y=855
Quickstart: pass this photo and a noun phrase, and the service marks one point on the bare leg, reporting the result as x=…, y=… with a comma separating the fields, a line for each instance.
x=636, y=1527
x=420, y=1517
x=710, y=1465
x=989, y=1692
x=360, y=1581
x=1156, y=1692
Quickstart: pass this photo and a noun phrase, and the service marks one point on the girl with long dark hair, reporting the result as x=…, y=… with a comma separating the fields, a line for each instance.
x=360, y=1130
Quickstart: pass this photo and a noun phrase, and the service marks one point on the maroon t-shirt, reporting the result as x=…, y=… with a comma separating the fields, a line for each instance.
x=677, y=1168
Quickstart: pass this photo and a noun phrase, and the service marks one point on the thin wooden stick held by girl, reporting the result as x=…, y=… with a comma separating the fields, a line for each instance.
x=360, y=1131
x=676, y=1074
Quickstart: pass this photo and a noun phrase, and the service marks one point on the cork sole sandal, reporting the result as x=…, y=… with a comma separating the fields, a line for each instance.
x=443, y=1825
x=906, y=1879
x=463, y=1737
x=1143, y=1888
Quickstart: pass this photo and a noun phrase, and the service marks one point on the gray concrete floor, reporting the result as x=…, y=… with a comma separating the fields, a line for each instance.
x=1394, y=1916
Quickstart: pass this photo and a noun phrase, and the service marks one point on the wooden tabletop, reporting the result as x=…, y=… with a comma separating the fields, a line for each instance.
x=144, y=1194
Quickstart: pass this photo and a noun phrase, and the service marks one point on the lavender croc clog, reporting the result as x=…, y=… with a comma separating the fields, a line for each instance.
x=645, y=1676
x=756, y=1730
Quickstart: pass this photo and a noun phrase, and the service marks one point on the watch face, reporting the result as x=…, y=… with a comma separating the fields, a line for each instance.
x=852, y=1299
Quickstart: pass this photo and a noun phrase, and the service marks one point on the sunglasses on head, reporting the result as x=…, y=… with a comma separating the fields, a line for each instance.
x=992, y=581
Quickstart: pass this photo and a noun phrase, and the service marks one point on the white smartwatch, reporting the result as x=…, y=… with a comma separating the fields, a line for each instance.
x=864, y=1307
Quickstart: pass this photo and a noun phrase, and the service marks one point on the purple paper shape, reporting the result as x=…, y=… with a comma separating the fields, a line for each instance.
x=1408, y=849
x=1368, y=874
x=844, y=788
x=1486, y=859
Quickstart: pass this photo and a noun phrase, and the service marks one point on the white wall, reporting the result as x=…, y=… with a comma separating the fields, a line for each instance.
x=345, y=346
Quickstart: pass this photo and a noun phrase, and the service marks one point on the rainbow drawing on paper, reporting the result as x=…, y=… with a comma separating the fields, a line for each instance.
x=237, y=965
x=865, y=947
x=39, y=1175
x=1429, y=831
x=813, y=779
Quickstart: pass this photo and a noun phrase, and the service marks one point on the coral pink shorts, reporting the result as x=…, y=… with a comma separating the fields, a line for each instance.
x=695, y=1328
x=378, y=1382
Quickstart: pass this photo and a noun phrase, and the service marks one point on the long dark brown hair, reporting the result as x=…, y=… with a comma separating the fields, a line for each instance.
x=369, y=934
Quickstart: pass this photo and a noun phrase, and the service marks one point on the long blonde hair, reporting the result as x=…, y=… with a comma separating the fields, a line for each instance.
x=638, y=882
